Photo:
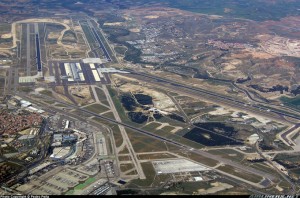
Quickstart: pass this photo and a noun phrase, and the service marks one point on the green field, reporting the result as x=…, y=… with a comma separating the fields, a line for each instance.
x=124, y=151
x=49, y=102
x=101, y=95
x=151, y=178
x=109, y=115
x=126, y=167
x=151, y=126
x=228, y=153
x=292, y=102
x=167, y=128
x=198, y=158
x=60, y=105
x=120, y=50
x=240, y=173
x=46, y=92
x=5, y=28
x=69, y=37
x=142, y=143
x=124, y=158
x=96, y=108
x=88, y=34
x=85, y=184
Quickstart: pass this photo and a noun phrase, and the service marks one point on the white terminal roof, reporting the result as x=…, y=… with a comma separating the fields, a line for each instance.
x=27, y=79
x=32, y=109
x=111, y=70
x=253, y=138
x=198, y=178
x=40, y=167
x=25, y=103
x=60, y=152
x=177, y=166
x=92, y=60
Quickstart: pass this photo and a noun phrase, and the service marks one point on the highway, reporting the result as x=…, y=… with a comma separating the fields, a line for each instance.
x=270, y=113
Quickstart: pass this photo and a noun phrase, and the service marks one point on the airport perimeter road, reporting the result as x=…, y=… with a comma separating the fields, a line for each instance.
x=124, y=135
x=188, y=148
x=212, y=96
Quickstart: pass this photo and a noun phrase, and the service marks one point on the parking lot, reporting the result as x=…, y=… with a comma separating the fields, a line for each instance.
x=92, y=168
x=59, y=183
x=109, y=167
x=177, y=166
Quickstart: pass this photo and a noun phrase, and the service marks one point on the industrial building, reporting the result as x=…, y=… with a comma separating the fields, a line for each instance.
x=67, y=124
x=25, y=103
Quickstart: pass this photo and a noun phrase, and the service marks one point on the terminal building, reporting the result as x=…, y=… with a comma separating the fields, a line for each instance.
x=61, y=153
x=74, y=72
x=60, y=139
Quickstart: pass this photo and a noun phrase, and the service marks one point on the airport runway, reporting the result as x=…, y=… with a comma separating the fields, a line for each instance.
x=124, y=135
x=188, y=148
x=211, y=96
x=28, y=68
x=38, y=50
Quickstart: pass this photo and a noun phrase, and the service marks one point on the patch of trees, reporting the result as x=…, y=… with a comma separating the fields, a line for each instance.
x=176, y=117
x=128, y=102
x=243, y=80
x=296, y=91
x=137, y=117
x=272, y=89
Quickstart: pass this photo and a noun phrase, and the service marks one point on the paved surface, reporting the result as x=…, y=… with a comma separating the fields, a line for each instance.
x=124, y=135
x=177, y=166
x=185, y=147
x=28, y=68
x=212, y=96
